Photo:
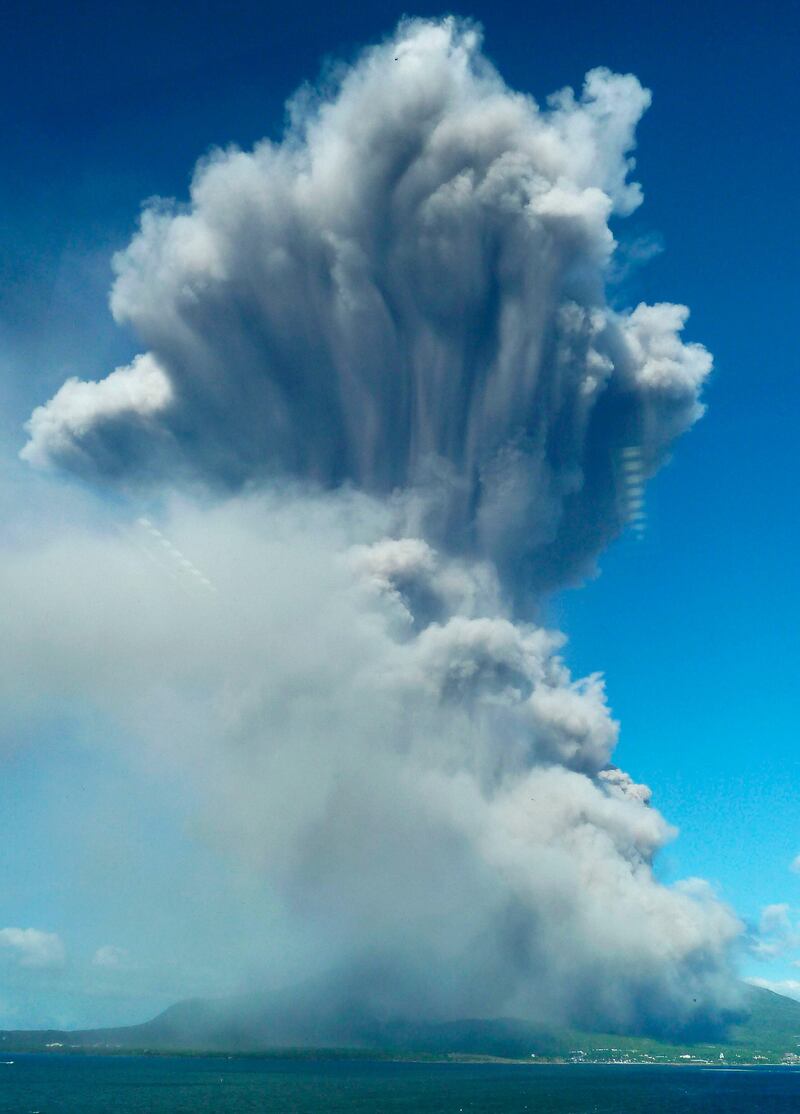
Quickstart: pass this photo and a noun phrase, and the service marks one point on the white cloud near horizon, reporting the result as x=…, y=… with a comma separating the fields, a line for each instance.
x=110, y=956
x=31, y=947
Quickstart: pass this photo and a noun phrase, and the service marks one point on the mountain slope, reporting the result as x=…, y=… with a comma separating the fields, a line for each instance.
x=769, y=1033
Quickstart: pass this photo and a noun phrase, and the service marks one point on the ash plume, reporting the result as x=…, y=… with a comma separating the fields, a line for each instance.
x=406, y=292
x=382, y=349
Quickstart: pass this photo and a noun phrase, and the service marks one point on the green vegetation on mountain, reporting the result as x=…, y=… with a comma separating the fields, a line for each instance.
x=768, y=1034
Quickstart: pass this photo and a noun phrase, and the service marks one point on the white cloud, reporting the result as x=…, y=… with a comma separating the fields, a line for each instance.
x=775, y=919
x=777, y=934
x=110, y=956
x=30, y=947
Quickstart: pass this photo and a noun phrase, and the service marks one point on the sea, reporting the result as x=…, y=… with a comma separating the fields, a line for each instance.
x=54, y=1084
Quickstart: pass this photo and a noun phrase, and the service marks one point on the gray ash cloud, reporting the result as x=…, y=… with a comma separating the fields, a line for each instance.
x=383, y=345
x=406, y=292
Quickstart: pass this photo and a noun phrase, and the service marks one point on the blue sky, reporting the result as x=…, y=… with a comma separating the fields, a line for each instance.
x=694, y=626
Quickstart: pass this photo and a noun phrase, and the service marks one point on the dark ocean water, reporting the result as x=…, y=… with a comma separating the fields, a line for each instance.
x=124, y=1085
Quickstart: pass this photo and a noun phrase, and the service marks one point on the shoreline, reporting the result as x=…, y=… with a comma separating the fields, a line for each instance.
x=358, y=1056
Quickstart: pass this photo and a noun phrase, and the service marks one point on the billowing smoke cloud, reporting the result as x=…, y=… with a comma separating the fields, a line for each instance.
x=406, y=292
x=391, y=329
x=364, y=725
